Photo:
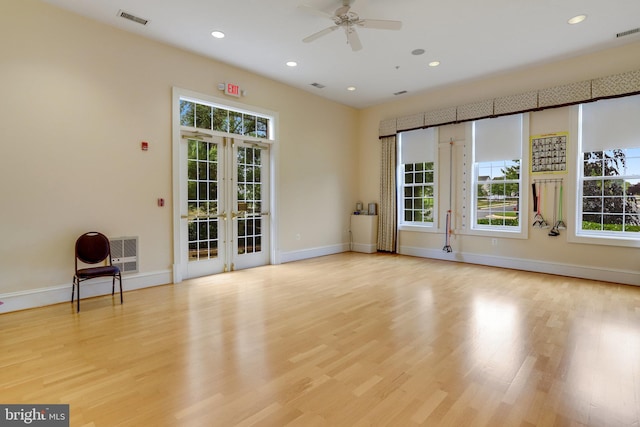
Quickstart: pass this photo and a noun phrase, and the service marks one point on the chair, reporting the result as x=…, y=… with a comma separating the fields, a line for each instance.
x=94, y=248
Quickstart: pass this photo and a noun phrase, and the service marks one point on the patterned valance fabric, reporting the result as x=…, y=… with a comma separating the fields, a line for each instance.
x=388, y=127
x=574, y=93
x=415, y=121
x=616, y=85
x=515, y=103
x=477, y=110
x=438, y=117
x=565, y=95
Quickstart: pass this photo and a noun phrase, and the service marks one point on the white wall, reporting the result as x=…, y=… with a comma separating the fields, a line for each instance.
x=78, y=97
x=539, y=252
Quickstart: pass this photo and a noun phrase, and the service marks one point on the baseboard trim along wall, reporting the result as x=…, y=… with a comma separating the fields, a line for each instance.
x=57, y=294
x=364, y=247
x=581, y=271
x=313, y=252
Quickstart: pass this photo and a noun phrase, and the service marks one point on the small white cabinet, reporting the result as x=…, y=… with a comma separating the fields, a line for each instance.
x=364, y=233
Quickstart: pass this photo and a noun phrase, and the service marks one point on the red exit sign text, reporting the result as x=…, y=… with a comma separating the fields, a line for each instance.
x=231, y=89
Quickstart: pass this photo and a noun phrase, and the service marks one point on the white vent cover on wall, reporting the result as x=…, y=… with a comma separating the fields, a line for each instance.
x=124, y=253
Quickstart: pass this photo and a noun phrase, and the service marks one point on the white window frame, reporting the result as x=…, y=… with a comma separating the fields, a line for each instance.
x=427, y=227
x=522, y=230
x=576, y=234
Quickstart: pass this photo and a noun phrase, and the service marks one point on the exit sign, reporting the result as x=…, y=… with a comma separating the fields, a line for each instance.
x=231, y=89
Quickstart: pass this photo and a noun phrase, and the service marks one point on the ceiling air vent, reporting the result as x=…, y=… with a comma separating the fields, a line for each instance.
x=130, y=17
x=318, y=85
x=628, y=32
x=402, y=92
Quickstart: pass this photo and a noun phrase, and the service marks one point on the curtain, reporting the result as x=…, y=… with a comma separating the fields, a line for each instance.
x=387, y=216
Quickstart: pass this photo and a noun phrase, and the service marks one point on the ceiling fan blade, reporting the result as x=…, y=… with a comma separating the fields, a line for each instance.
x=319, y=34
x=353, y=38
x=314, y=11
x=380, y=24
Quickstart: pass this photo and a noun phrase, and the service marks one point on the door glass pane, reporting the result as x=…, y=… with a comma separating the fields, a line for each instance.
x=202, y=184
x=248, y=175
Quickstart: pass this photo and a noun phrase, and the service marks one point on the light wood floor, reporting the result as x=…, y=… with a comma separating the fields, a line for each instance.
x=345, y=340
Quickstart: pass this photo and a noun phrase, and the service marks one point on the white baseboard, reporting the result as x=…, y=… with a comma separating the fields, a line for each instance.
x=56, y=294
x=581, y=271
x=364, y=247
x=313, y=252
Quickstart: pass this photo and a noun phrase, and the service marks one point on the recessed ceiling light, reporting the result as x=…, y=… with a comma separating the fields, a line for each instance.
x=351, y=88
x=577, y=19
x=292, y=64
x=434, y=63
x=417, y=52
x=218, y=34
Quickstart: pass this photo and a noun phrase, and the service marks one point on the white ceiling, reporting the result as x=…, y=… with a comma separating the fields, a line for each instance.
x=470, y=38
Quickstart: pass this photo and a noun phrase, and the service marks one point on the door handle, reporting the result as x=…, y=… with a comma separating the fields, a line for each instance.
x=223, y=215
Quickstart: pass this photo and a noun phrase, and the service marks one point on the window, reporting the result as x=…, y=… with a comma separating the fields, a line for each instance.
x=211, y=117
x=498, y=193
x=417, y=178
x=497, y=199
x=608, y=202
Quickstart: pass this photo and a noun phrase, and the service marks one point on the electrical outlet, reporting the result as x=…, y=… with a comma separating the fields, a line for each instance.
x=494, y=242
x=297, y=236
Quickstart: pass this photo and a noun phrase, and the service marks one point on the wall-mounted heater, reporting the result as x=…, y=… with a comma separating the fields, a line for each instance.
x=124, y=253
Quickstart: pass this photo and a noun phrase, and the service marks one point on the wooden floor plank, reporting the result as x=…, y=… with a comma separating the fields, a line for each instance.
x=343, y=340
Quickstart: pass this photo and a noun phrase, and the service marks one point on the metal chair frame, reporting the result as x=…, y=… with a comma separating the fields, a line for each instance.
x=94, y=248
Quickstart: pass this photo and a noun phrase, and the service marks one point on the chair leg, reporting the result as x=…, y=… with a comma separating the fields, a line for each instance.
x=120, y=280
x=113, y=284
x=76, y=283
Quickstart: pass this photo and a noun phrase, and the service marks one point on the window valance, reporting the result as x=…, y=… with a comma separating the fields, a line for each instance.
x=623, y=84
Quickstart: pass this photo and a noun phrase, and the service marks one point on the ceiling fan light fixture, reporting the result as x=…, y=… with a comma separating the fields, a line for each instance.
x=217, y=34
x=576, y=19
x=351, y=88
x=348, y=20
x=434, y=63
x=292, y=64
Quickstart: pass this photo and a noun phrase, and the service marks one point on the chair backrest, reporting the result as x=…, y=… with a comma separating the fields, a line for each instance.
x=92, y=248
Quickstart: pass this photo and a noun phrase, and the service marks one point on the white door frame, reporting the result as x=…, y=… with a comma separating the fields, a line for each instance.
x=178, y=206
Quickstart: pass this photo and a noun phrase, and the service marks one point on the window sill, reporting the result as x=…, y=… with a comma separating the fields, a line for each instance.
x=602, y=239
x=418, y=228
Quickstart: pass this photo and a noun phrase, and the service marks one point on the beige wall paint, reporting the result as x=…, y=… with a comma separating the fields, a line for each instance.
x=78, y=97
x=539, y=246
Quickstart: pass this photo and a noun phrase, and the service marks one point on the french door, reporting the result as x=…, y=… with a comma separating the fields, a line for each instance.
x=225, y=218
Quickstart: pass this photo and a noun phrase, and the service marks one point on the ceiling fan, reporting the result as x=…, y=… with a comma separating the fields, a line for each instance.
x=344, y=18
